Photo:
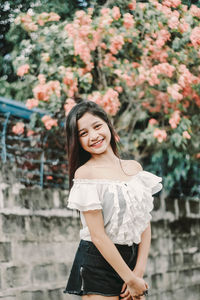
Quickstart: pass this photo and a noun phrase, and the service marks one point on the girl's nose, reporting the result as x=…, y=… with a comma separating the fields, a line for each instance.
x=93, y=135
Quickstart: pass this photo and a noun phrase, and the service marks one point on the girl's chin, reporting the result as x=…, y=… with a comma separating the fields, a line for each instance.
x=99, y=150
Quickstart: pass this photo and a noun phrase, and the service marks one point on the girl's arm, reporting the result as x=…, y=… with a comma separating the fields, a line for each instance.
x=143, y=251
x=95, y=223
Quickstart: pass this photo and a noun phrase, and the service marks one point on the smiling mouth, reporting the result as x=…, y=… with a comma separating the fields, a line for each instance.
x=97, y=143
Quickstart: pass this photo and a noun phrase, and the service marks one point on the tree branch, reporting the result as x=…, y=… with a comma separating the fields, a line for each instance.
x=108, y=3
x=101, y=74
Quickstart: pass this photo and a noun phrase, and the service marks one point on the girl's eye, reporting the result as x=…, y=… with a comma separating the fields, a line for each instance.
x=97, y=126
x=83, y=133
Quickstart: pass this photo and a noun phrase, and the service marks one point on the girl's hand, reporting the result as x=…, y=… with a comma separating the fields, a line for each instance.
x=134, y=289
x=137, y=287
x=125, y=295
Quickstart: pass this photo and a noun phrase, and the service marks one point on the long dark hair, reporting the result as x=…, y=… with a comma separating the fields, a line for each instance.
x=77, y=156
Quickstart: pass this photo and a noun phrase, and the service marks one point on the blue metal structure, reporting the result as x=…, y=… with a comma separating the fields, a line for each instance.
x=18, y=109
x=11, y=146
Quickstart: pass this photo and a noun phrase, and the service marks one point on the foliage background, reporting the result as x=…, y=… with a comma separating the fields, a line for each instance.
x=175, y=157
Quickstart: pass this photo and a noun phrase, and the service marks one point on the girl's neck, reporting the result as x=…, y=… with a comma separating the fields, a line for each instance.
x=107, y=158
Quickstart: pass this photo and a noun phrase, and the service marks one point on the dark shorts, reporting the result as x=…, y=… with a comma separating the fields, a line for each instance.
x=92, y=274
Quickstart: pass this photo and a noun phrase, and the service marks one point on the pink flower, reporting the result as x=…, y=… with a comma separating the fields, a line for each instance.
x=41, y=78
x=30, y=26
x=70, y=30
x=26, y=18
x=175, y=119
x=95, y=97
x=40, y=22
x=142, y=5
x=198, y=155
x=173, y=22
x=105, y=21
x=80, y=14
x=54, y=87
x=153, y=122
x=90, y=10
x=41, y=92
x=183, y=26
x=151, y=74
x=128, y=21
x=53, y=17
x=163, y=37
x=109, y=59
x=68, y=105
x=105, y=11
x=116, y=13
x=186, y=135
x=71, y=83
x=103, y=46
x=110, y=102
x=18, y=128
x=171, y=3
x=173, y=90
x=195, y=11
x=49, y=122
x=160, y=135
x=135, y=64
x=166, y=69
x=119, y=89
x=23, y=70
x=116, y=44
x=132, y=5
x=69, y=77
x=186, y=77
x=31, y=103
x=195, y=37
x=128, y=79
x=30, y=132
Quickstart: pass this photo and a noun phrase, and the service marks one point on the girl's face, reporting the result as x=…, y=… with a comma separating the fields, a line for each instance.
x=94, y=134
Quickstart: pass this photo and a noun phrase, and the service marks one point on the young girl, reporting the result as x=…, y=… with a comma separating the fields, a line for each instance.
x=114, y=198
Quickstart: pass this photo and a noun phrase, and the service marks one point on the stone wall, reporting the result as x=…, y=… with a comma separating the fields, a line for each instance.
x=39, y=236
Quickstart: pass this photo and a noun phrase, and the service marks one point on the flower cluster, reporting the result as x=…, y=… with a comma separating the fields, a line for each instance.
x=22, y=70
x=49, y=122
x=30, y=23
x=109, y=101
x=43, y=90
x=144, y=60
x=85, y=38
x=18, y=128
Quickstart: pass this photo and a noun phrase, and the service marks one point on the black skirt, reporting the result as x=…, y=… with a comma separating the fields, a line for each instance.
x=92, y=274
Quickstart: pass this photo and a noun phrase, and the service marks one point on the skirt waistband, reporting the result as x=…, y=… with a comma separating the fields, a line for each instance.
x=90, y=248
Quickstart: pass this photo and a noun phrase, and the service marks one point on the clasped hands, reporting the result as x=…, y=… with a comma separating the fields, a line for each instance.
x=136, y=290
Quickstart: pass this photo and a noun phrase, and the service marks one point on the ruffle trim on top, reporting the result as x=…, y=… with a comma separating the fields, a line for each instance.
x=139, y=200
x=83, y=198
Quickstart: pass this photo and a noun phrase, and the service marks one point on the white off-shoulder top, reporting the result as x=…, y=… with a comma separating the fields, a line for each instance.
x=126, y=205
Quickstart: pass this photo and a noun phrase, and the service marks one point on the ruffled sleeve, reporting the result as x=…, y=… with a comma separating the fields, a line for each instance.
x=84, y=196
x=153, y=182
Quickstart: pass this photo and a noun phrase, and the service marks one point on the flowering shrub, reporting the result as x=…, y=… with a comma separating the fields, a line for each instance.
x=142, y=66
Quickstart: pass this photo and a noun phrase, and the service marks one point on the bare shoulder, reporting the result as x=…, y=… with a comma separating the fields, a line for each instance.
x=82, y=172
x=132, y=166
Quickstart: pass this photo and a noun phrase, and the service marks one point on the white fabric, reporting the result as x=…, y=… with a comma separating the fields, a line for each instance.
x=126, y=205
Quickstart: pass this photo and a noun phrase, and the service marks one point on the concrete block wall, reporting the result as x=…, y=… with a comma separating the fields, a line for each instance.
x=39, y=237
x=38, y=240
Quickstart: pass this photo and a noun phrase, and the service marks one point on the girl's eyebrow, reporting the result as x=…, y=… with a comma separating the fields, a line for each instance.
x=91, y=124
